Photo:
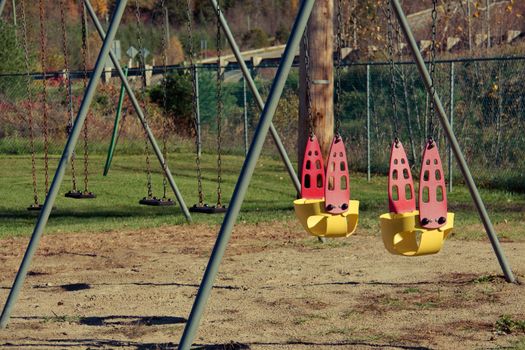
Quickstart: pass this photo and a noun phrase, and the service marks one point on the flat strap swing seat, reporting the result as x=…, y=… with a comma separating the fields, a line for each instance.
x=156, y=202
x=208, y=209
x=80, y=195
x=316, y=214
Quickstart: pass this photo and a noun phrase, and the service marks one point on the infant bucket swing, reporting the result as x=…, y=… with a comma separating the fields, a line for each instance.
x=325, y=208
x=405, y=230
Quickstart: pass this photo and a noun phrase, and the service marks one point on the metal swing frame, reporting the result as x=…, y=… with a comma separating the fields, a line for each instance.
x=254, y=152
x=249, y=165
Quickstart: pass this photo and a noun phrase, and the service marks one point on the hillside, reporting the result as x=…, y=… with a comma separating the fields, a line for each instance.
x=261, y=23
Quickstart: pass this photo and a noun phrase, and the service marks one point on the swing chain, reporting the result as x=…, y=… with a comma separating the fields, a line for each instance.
x=432, y=69
x=219, y=107
x=43, y=60
x=194, y=100
x=390, y=44
x=84, y=82
x=308, y=84
x=30, y=102
x=164, y=44
x=67, y=87
x=142, y=66
x=339, y=64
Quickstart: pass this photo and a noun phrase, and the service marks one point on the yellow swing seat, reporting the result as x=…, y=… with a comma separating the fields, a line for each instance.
x=316, y=221
x=403, y=234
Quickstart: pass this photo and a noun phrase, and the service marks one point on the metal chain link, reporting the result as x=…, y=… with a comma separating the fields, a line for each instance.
x=142, y=68
x=393, y=83
x=220, y=106
x=194, y=100
x=45, y=113
x=338, y=69
x=308, y=87
x=84, y=83
x=432, y=70
x=67, y=87
x=166, y=124
x=29, y=101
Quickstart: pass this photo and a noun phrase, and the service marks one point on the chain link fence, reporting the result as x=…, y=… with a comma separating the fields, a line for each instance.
x=484, y=99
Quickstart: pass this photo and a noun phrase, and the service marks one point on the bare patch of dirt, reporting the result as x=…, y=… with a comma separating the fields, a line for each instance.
x=277, y=289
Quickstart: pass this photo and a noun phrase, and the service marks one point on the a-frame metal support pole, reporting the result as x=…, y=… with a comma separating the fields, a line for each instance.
x=140, y=114
x=258, y=98
x=246, y=175
x=489, y=228
x=62, y=165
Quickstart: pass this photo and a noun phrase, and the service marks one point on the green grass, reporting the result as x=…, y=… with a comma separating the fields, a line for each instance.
x=269, y=197
x=507, y=325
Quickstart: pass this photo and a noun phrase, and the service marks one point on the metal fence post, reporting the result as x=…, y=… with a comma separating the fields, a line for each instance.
x=64, y=160
x=451, y=116
x=368, y=159
x=245, y=176
x=476, y=198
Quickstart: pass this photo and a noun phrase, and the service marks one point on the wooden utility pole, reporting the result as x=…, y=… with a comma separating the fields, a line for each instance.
x=321, y=47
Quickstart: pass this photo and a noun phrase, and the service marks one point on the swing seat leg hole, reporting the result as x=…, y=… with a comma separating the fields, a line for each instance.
x=403, y=235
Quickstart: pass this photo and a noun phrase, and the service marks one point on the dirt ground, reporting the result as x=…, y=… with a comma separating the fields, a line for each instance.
x=277, y=289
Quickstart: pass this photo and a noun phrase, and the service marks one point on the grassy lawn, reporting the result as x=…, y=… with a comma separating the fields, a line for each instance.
x=270, y=197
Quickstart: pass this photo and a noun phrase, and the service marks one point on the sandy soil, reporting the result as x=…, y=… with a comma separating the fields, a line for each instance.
x=277, y=289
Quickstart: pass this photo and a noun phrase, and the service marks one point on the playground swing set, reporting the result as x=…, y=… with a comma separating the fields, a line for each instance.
x=325, y=208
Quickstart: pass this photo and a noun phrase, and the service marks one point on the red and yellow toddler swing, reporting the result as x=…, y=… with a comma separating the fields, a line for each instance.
x=405, y=230
x=325, y=208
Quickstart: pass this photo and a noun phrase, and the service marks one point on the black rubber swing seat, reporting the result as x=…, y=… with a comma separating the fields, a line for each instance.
x=80, y=195
x=157, y=202
x=207, y=209
x=37, y=207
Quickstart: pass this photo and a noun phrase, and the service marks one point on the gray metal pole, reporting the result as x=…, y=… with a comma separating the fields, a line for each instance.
x=451, y=116
x=66, y=156
x=368, y=159
x=246, y=174
x=140, y=114
x=198, y=111
x=2, y=5
x=245, y=112
x=489, y=228
x=255, y=93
